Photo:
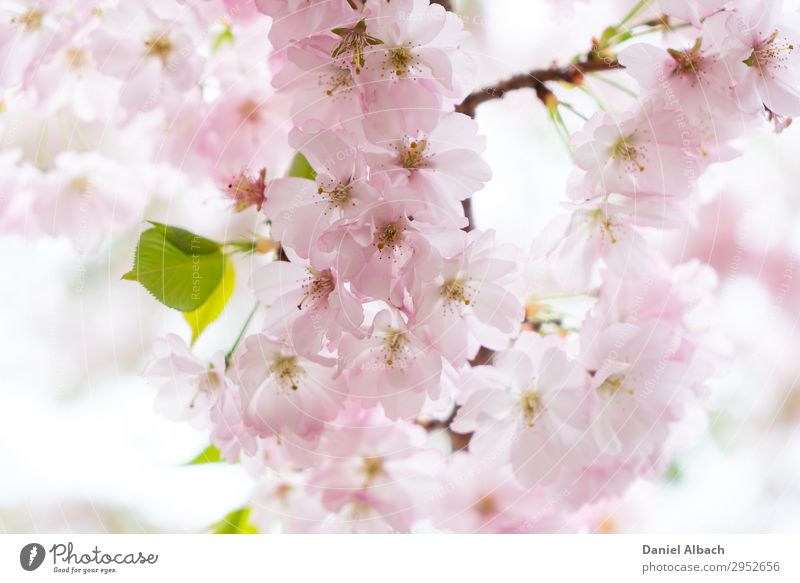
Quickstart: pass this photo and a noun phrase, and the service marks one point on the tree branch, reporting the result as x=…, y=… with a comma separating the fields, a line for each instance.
x=445, y=3
x=537, y=80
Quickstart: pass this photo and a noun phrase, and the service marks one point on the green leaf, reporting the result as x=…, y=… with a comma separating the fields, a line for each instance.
x=300, y=168
x=200, y=318
x=179, y=268
x=187, y=241
x=235, y=522
x=209, y=455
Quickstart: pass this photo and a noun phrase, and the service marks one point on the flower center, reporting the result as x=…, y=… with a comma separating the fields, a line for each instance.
x=614, y=385
x=287, y=370
x=371, y=467
x=340, y=80
x=248, y=191
x=486, y=506
x=208, y=384
x=81, y=186
x=354, y=41
x=160, y=47
x=394, y=345
x=250, y=111
x=389, y=236
x=530, y=403
x=339, y=196
x=77, y=58
x=400, y=60
x=412, y=155
x=688, y=62
x=455, y=290
x=606, y=223
x=769, y=52
x=624, y=151
x=318, y=287
x=31, y=20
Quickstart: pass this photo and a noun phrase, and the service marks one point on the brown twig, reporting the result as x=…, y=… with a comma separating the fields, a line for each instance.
x=445, y=3
x=467, y=205
x=536, y=79
x=458, y=441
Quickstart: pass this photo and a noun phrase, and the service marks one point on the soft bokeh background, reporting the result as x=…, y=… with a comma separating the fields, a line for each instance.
x=82, y=450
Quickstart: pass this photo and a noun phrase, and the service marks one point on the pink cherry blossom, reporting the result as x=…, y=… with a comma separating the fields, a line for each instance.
x=295, y=20
x=32, y=31
x=638, y=385
x=189, y=388
x=693, y=11
x=763, y=55
x=87, y=195
x=608, y=230
x=311, y=307
x=282, y=504
x=648, y=150
x=419, y=41
x=152, y=54
x=283, y=393
x=202, y=394
x=695, y=79
x=393, y=366
x=475, y=299
x=531, y=404
x=431, y=154
x=237, y=131
x=322, y=90
x=481, y=495
x=372, y=473
x=386, y=251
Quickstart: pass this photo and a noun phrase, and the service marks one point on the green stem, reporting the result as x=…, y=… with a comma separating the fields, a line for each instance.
x=571, y=108
x=659, y=28
x=615, y=85
x=600, y=103
x=238, y=341
x=641, y=5
x=561, y=128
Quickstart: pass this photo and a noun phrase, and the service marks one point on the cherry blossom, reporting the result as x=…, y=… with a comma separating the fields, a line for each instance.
x=309, y=306
x=475, y=300
x=393, y=366
x=84, y=196
x=763, y=56
x=189, y=389
x=372, y=473
x=648, y=150
x=419, y=149
x=636, y=383
x=692, y=10
x=401, y=370
x=283, y=393
x=481, y=495
x=148, y=53
x=608, y=229
x=419, y=41
x=530, y=404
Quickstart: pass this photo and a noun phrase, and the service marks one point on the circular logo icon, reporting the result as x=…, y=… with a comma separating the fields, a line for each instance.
x=31, y=556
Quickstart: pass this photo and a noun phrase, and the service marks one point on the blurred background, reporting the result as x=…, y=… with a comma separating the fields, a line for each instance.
x=81, y=449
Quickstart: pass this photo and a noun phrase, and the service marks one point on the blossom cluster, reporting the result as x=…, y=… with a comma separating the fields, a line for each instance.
x=376, y=317
x=365, y=401
x=109, y=107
